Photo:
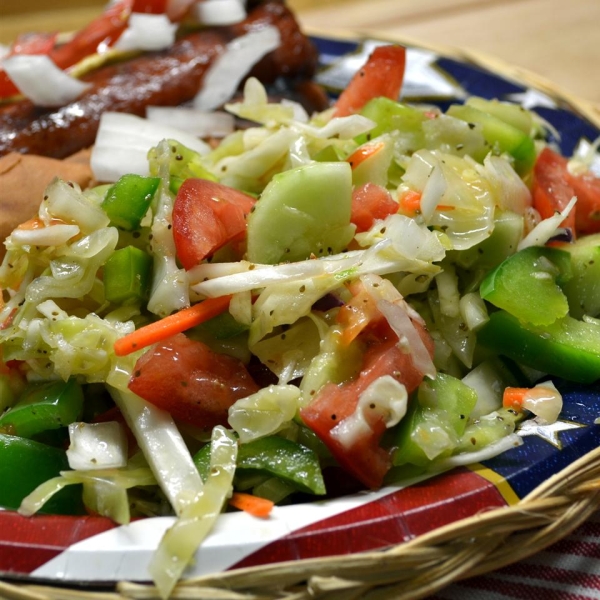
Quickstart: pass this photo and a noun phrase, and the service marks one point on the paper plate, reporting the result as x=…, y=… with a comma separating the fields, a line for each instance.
x=91, y=550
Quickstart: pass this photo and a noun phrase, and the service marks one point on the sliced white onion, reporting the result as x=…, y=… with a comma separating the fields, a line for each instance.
x=219, y=12
x=258, y=276
x=164, y=448
x=399, y=320
x=240, y=55
x=547, y=228
x=494, y=449
x=343, y=127
x=123, y=141
x=55, y=235
x=433, y=191
x=544, y=401
x=147, y=32
x=473, y=311
x=215, y=124
x=512, y=193
x=97, y=446
x=38, y=78
x=385, y=399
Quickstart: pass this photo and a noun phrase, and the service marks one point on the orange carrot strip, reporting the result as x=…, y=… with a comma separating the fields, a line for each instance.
x=411, y=201
x=513, y=397
x=171, y=325
x=361, y=154
x=259, y=507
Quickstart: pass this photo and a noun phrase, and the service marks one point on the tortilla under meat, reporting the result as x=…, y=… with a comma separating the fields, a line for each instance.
x=23, y=180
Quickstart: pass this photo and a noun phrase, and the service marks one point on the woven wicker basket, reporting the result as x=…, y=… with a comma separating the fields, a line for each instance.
x=412, y=570
x=430, y=562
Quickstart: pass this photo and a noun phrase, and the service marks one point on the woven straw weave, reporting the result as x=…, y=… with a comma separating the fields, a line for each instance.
x=412, y=570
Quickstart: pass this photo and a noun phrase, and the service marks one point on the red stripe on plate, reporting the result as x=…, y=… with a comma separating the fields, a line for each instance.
x=26, y=543
x=390, y=520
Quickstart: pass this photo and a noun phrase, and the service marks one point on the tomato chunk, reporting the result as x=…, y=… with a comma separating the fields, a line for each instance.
x=206, y=216
x=371, y=202
x=365, y=459
x=190, y=381
x=587, y=190
x=382, y=75
x=554, y=186
x=551, y=190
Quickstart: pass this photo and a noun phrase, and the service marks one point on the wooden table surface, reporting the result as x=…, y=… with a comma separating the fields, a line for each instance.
x=556, y=39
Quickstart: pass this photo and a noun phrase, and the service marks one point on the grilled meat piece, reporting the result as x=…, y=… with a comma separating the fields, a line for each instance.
x=166, y=78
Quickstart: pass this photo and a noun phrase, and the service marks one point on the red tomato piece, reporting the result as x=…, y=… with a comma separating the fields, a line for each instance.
x=382, y=75
x=190, y=381
x=28, y=43
x=551, y=190
x=155, y=7
x=105, y=29
x=587, y=190
x=33, y=43
x=554, y=186
x=365, y=459
x=371, y=202
x=206, y=216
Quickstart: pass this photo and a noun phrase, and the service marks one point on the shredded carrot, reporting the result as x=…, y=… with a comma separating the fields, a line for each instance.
x=410, y=201
x=259, y=507
x=361, y=154
x=171, y=325
x=513, y=397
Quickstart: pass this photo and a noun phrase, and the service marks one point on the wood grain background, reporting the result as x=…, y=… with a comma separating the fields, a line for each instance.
x=557, y=39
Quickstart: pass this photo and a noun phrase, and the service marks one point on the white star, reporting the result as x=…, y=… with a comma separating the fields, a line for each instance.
x=547, y=431
x=532, y=99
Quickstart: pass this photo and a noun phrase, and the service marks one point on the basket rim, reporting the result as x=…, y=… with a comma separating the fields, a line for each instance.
x=410, y=570
x=586, y=108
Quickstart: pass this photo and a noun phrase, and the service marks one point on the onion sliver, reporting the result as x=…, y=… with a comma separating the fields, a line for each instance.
x=215, y=124
x=228, y=70
x=147, y=32
x=219, y=12
x=123, y=141
x=38, y=78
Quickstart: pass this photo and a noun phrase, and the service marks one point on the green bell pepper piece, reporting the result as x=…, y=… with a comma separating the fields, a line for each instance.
x=275, y=456
x=183, y=164
x=222, y=327
x=127, y=276
x=513, y=114
x=128, y=200
x=526, y=285
x=583, y=289
x=500, y=135
x=25, y=464
x=442, y=406
x=503, y=241
x=44, y=406
x=393, y=116
x=567, y=348
x=481, y=432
